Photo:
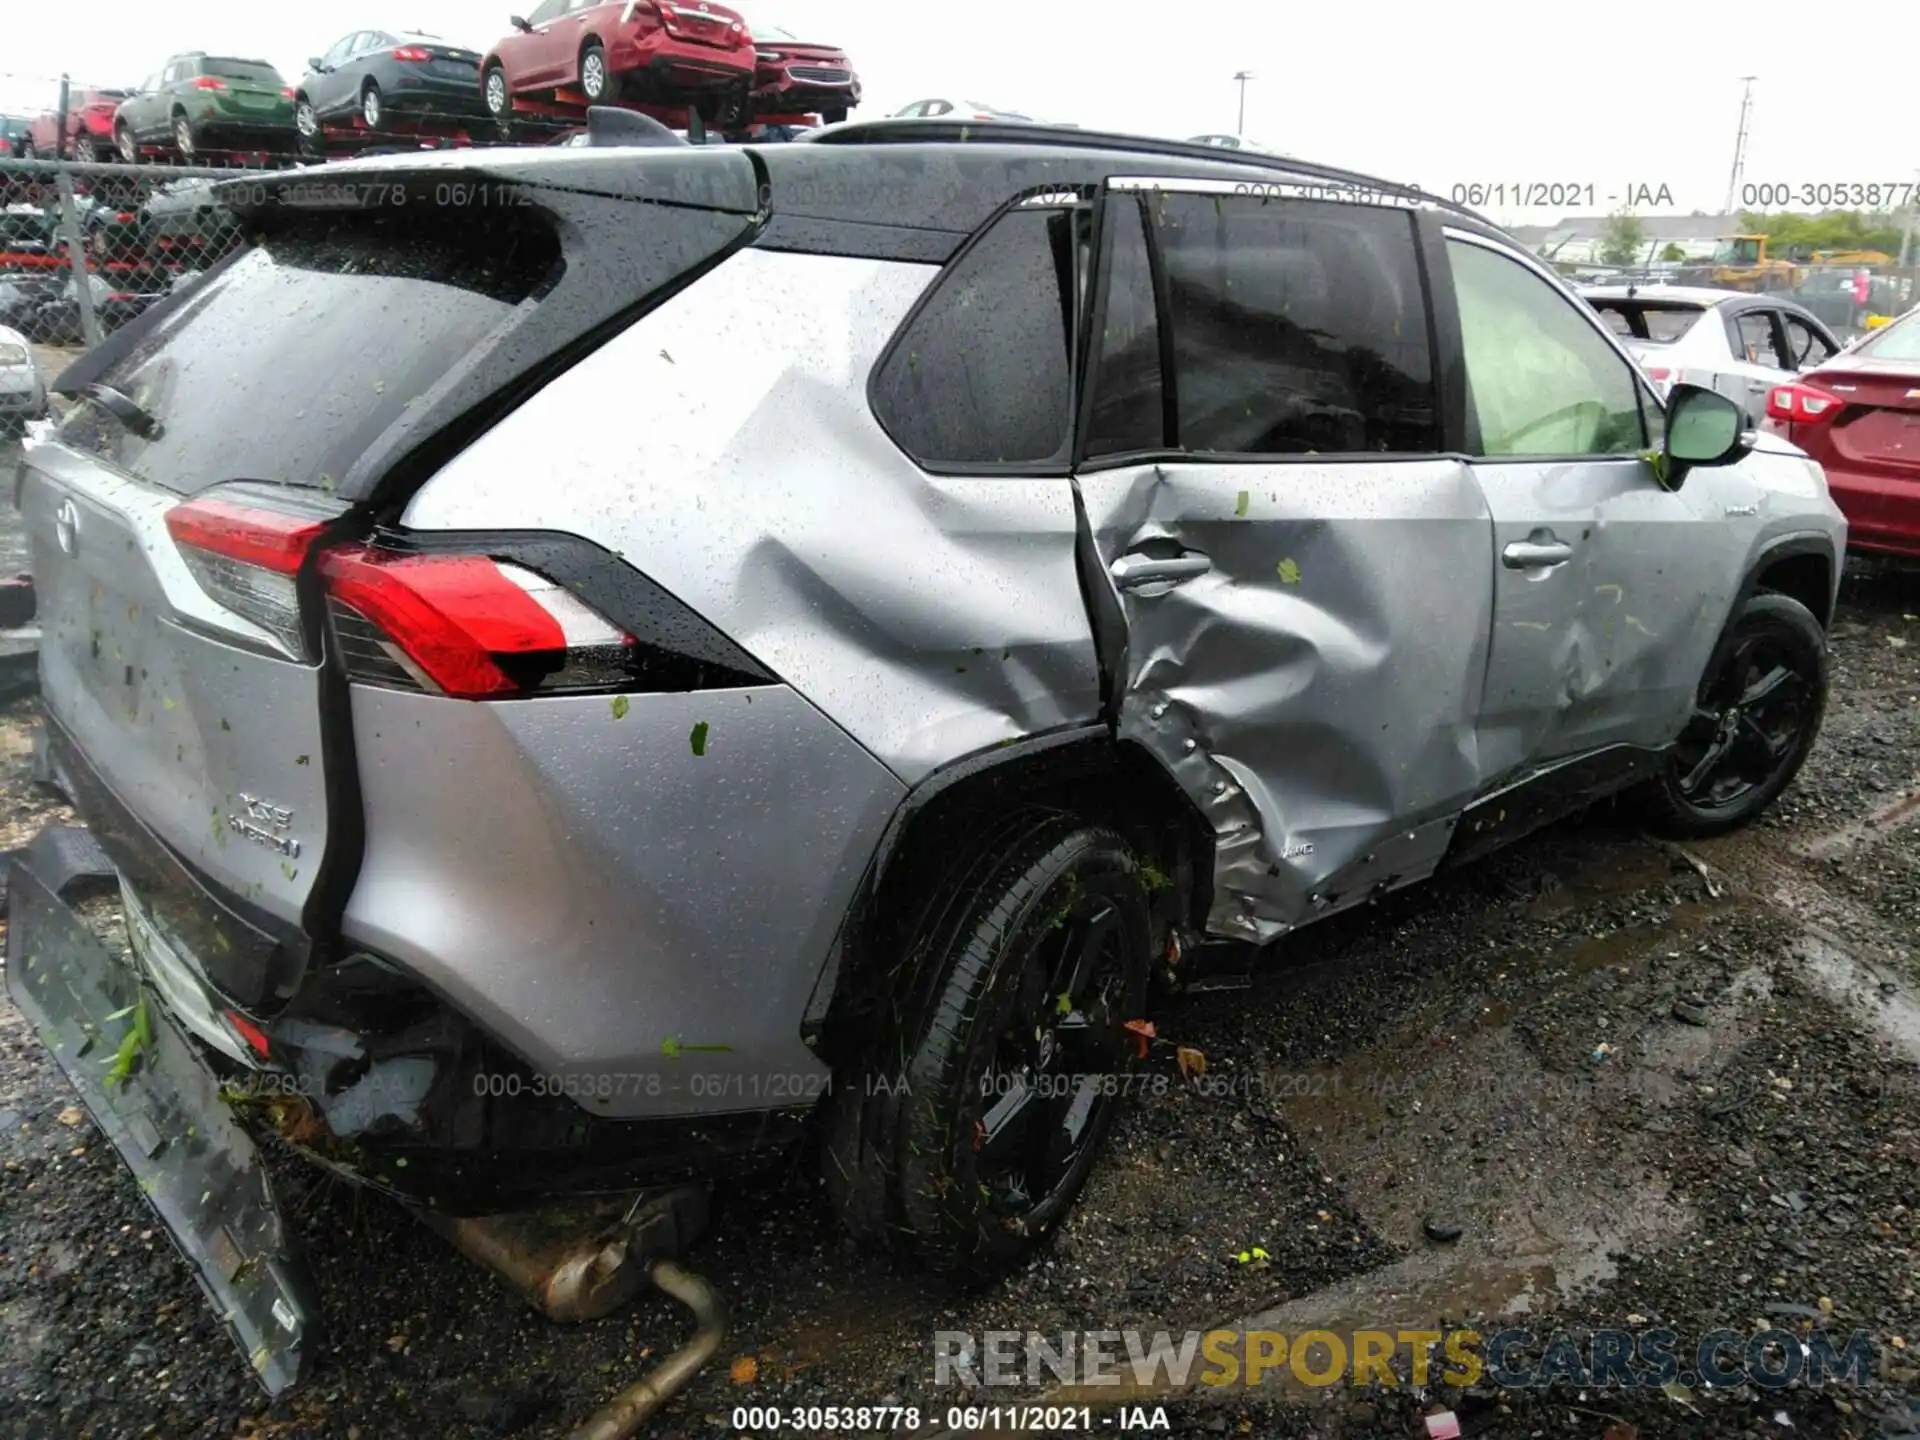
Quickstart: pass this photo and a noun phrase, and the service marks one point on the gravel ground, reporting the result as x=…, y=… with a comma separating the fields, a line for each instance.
x=1647, y=1086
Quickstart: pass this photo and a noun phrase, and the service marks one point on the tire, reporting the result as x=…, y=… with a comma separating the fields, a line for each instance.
x=1754, y=723
x=835, y=115
x=125, y=143
x=967, y=1131
x=595, y=82
x=372, y=111
x=495, y=95
x=86, y=150
x=308, y=138
x=184, y=140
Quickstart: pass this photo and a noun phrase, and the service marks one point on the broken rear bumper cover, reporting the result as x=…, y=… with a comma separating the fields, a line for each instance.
x=195, y=1163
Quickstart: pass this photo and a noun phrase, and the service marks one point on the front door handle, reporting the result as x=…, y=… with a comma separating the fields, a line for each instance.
x=1536, y=554
x=1130, y=572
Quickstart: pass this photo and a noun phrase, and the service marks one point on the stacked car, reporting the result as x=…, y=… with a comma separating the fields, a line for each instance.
x=199, y=104
x=377, y=81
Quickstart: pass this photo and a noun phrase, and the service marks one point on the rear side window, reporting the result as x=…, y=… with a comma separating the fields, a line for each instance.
x=1297, y=327
x=982, y=373
x=284, y=367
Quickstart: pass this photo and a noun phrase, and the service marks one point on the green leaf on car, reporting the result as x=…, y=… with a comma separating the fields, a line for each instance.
x=698, y=739
x=1289, y=572
x=619, y=707
x=1240, y=505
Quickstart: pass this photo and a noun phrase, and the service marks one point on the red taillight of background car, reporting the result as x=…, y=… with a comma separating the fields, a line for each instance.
x=209, y=82
x=412, y=54
x=468, y=626
x=286, y=92
x=1802, y=405
x=1662, y=373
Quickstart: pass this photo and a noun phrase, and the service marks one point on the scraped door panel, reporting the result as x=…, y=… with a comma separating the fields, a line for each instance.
x=1315, y=684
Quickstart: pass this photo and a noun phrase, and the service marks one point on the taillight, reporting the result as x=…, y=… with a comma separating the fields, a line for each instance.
x=286, y=92
x=247, y=557
x=411, y=52
x=467, y=626
x=1802, y=405
x=209, y=82
x=248, y=1031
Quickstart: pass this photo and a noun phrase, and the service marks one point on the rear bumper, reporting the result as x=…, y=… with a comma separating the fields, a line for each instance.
x=196, y=1165
x=435, y=95
x=1882, y=515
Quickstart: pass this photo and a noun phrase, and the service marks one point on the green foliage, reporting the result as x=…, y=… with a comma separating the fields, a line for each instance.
x=1624, y=239
x=1827, y=230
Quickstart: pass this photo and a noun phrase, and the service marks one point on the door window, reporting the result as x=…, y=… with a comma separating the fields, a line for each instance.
x=1543, y=379
x=938, y=107
x=981, y=374
x=1298, y=327
x=1754, y=340
x=549, y=9
x=1805, y=345
x=1129, y=392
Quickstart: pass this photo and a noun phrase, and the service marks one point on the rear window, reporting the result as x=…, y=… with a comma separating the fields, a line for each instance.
x=1652, y=324
x=287, y=365
x=241, y=70
x=1898, y=341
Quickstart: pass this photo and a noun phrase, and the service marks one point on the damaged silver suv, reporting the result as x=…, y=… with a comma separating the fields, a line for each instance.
x=591, y=666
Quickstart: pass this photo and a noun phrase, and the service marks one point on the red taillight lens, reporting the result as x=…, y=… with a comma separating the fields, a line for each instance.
x=246, y=557
x=412, y=53
x=1802, y=405
x=209, y=82
x=286, y=92
x=466, y=626
x=248, y=1031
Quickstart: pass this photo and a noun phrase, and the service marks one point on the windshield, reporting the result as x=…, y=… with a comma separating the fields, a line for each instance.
x=243, y=70
x=1651, y=324
x=774, y=32
x=1899, y=341
x=1740, y=250
x=11, y=354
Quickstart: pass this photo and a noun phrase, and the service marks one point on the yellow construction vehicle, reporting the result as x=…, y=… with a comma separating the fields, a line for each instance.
x=1741, y=262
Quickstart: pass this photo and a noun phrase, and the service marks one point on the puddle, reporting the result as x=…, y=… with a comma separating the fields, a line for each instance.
x=1864, y=832
x=1859, y=988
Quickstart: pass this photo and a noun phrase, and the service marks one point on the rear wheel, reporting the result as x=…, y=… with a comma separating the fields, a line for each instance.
x=982, y=1106
x=594, y=80
x=1753, y=724
x=184, y=140
x=372, y=111
x=493, y=89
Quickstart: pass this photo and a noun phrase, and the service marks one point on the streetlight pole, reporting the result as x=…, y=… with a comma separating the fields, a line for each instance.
x=1241, y=78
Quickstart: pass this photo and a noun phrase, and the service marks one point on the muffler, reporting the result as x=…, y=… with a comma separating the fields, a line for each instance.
x=584, y=1262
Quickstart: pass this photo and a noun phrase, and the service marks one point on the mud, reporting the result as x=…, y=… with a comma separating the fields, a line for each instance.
x=1573, y=1053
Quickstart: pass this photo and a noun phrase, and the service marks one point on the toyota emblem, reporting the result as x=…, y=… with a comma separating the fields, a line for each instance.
x=66, y=528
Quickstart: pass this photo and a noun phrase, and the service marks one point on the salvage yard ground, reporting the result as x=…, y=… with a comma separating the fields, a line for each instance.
x=1647, y=1085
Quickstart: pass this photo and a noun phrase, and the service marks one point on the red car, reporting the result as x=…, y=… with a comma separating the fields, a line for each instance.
x=797, y=78
x=89, y=127
x=650, y=51
x=1859, y=416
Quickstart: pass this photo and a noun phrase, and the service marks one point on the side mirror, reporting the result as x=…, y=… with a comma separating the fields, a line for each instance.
x=317, y=65
x=1704, y=427
x=519, y=23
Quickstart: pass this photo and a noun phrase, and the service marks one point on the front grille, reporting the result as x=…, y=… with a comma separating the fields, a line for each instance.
x=819, y=74
x=368, y=656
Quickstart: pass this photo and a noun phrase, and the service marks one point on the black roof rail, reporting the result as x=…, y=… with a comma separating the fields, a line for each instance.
x=911, y=129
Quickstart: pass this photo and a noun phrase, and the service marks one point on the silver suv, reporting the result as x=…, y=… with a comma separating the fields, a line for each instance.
x=582, y=660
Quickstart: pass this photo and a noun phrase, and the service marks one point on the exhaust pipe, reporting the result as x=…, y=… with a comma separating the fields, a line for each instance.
x=621, y=1416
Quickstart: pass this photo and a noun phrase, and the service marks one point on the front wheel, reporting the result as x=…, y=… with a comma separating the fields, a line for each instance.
x=834, y=116
x=184, y=139
x=979, y=1114
x=129, y=148
x=85, y=150
x=1754, y=722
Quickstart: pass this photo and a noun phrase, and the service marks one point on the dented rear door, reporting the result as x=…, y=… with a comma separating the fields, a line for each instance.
x=1295, y=584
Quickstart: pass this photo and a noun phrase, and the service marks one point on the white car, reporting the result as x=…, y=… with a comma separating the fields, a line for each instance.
x=1737, y=343
x=957, y=110
x=23, y=394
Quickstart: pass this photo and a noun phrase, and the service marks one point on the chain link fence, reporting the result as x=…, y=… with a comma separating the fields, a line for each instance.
x=85, y=248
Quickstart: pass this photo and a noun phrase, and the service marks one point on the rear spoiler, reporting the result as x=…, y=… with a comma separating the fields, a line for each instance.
x=610, y=125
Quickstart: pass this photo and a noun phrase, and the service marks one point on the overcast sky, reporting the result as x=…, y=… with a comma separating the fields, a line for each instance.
x=1610, y=96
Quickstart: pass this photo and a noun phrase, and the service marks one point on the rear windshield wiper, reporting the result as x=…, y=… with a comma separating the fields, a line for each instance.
x=124, y=409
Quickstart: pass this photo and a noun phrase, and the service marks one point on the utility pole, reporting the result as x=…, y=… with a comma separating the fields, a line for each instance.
x=1241, y=78
x=1740, y=144
x=1908, y=242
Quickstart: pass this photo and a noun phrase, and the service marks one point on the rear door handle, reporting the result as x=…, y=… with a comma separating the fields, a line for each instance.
x=1536, y=554
x=1130, y=572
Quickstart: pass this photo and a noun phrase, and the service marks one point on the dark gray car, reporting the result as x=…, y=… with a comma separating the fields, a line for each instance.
x=812, y=633
x=373, y=79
